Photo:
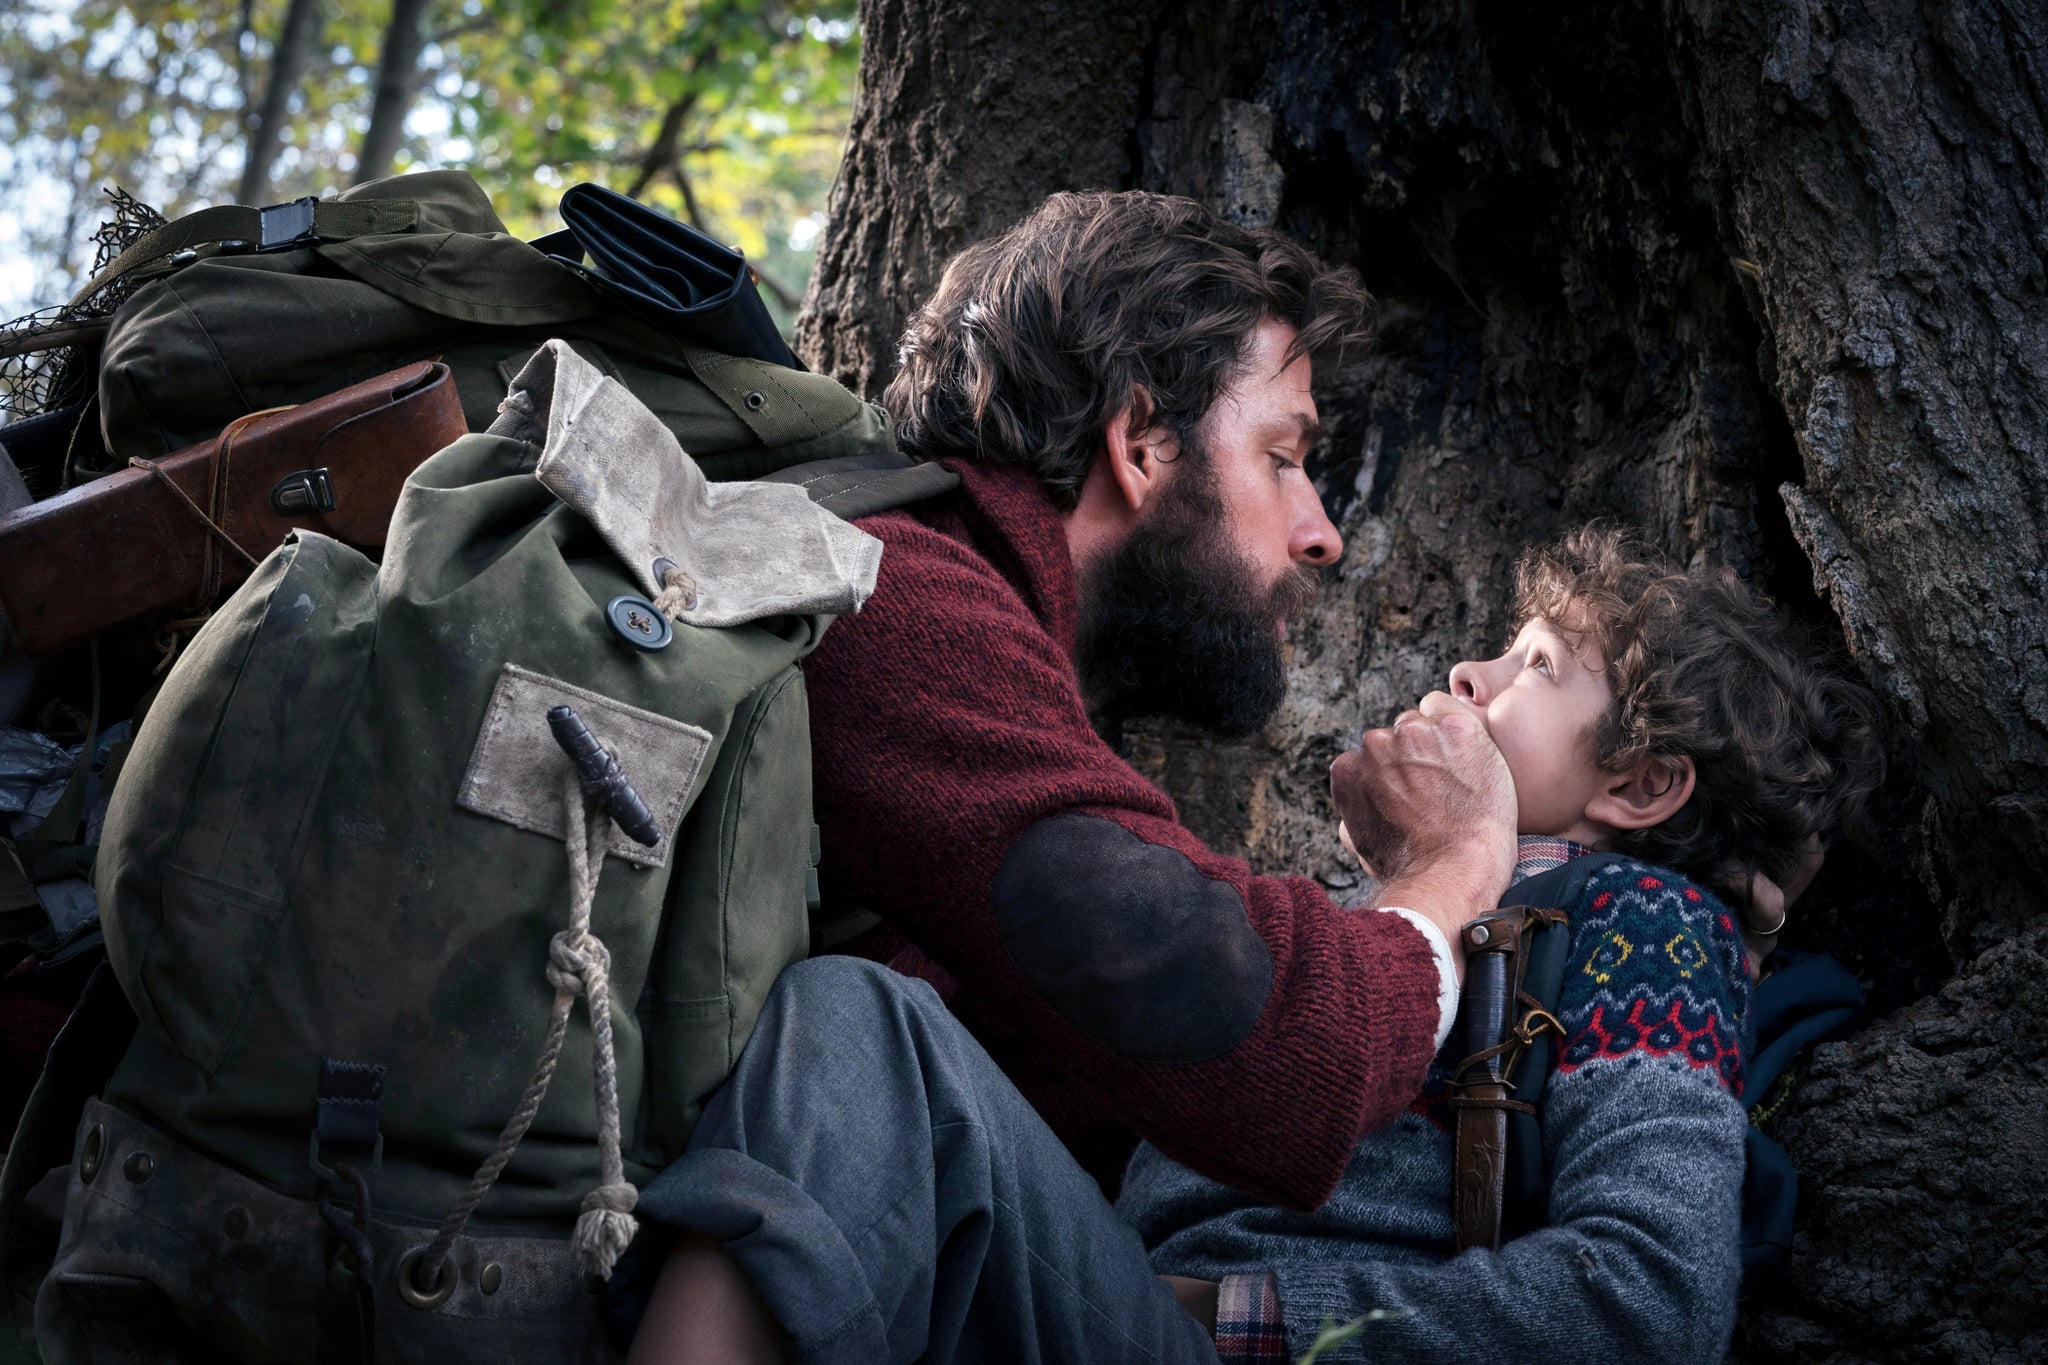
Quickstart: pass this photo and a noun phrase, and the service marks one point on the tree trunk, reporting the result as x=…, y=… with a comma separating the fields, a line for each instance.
x=287, y=64
x=398, y=84
x=1763, y=280
x=967, y=115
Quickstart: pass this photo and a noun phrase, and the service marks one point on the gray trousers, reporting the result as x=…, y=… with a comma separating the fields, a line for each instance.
x=892, y=1197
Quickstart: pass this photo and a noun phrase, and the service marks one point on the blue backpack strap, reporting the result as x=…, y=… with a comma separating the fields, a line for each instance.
x=1808, y=998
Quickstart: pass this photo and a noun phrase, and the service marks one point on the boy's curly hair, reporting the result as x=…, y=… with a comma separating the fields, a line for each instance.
x=1784, y=750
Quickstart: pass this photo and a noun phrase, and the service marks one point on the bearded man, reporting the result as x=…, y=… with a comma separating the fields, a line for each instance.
x=1122, y=382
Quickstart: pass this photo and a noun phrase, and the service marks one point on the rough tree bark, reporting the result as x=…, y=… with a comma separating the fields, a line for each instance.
x=926, y=169
x=1763, y=279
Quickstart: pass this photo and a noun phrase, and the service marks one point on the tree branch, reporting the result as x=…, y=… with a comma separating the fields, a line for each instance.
x=398, y=84
x=243, y=30
x=454, y=31
x=695, y=214
x=662, y=151
x=789, y=301
x=287, y=64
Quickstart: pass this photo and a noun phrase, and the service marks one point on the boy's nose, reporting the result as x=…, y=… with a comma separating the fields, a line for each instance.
x=1468, y=682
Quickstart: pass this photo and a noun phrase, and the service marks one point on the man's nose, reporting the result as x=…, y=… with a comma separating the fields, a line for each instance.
x=1468, y=683
x=1315, y=539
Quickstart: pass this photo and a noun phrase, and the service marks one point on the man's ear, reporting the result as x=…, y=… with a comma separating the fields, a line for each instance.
x=1649, y=793
x=1137, y=449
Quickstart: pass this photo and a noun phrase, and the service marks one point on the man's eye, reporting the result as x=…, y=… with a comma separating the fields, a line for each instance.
x=1281, y=464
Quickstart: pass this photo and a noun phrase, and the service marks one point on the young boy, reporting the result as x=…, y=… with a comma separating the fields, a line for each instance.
x=1670, y=717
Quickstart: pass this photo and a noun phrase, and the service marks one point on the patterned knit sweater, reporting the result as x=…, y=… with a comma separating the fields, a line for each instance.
x=1642, y=1131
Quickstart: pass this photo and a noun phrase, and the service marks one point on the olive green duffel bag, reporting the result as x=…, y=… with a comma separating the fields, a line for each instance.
x=367, y=857
x=408, y=268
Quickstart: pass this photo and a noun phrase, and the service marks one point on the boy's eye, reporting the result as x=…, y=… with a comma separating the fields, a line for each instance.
x=1541, y=663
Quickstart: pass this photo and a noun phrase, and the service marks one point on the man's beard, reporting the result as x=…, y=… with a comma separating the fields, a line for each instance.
x=1174, y=622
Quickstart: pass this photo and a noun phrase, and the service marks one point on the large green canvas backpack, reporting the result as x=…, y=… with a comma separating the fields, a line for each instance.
x=404, y=269
x=343, y=852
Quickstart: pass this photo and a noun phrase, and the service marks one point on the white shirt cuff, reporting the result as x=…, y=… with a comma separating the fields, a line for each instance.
x=1446, y=969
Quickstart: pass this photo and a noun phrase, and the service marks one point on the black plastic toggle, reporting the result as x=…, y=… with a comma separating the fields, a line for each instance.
x=602, y=777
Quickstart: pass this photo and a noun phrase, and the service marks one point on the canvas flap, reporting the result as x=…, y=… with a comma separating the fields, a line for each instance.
x=458, y=261
x=750, y=550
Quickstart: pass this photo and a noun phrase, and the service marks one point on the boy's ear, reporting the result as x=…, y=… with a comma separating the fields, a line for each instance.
x=1138, y=450
x=1647, y=794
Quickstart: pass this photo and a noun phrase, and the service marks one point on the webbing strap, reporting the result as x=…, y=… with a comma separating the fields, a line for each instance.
x=855, y=486
x=275, y=228
x=349, y=1097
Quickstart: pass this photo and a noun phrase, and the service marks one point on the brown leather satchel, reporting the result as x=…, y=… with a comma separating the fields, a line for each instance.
x=1497, y=1022
x=181, y=530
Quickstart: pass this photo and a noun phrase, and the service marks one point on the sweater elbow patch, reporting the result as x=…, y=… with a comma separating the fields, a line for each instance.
x=1130, y=942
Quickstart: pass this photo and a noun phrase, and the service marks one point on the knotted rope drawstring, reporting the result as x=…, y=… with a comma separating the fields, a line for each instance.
x=353, y=1229
x=578, y=963
x=605, y=1227
x=678, y=592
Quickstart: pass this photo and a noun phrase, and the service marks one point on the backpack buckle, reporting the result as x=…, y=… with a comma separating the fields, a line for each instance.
x=349, y=1098
x=326, y=1172
x=280, y=227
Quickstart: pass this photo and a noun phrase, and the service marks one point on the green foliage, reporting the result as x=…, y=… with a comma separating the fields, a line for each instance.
x=728, y=112
x=1334, y=1334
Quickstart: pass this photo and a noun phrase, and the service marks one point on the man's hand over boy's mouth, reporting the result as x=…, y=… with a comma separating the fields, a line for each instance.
x=1430, y=809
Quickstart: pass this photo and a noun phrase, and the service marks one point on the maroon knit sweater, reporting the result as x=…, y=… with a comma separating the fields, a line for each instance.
x=946, y=722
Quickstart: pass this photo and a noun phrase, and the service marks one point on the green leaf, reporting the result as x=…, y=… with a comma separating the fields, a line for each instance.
x=1334, y=1334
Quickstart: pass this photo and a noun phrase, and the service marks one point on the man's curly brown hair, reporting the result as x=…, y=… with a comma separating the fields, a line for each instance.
x=1035, y=338
x=1784, y=750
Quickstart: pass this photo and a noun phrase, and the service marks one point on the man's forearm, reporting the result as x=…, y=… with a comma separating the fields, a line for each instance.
x=1448, y=898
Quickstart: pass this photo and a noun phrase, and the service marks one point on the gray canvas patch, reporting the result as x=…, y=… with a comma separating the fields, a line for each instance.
x=518, y=774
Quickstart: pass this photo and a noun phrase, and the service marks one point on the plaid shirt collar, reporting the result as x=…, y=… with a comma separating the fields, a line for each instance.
x=1536, y=853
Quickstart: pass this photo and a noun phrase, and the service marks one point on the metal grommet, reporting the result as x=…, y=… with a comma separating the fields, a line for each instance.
x=139, y=1167
x=636, y=621
x=756, y=401
x=492, y=1279
x=92, y=1153
x=435, y=1294
x=1479, y=934
x=236, y=1223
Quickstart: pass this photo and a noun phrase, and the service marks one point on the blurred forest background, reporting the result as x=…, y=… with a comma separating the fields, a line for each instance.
x=730, y=114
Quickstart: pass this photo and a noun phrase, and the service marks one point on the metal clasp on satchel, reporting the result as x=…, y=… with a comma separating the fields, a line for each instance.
x=302, y=491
